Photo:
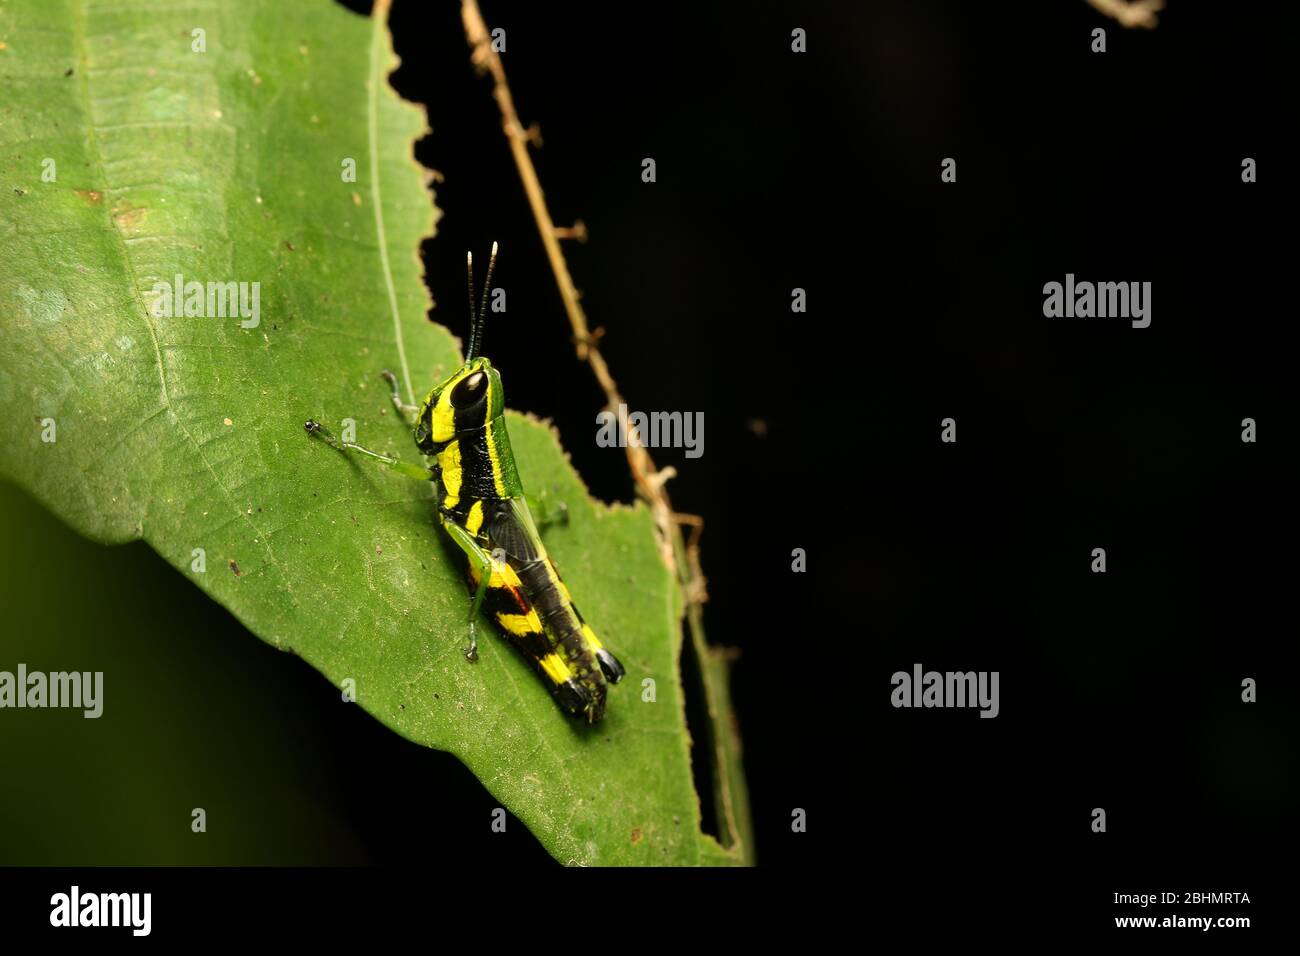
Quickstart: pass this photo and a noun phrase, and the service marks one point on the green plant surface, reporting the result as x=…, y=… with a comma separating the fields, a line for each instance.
x=227, y=165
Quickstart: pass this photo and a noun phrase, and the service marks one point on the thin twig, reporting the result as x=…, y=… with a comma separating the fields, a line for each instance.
x=698, y=580
x=648, y=479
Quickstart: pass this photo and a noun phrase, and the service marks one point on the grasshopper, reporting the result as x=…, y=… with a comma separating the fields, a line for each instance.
x=482, y=507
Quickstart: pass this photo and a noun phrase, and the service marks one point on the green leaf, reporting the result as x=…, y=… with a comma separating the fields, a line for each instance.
x=227, y=164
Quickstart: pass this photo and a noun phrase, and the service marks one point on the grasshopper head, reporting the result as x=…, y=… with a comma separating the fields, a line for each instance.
x=472, y=396
x=466, y=401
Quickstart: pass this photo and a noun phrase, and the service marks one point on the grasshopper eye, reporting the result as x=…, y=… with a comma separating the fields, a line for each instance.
x=468, y=391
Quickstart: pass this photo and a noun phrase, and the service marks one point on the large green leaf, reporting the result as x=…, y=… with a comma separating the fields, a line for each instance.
x=129, y=157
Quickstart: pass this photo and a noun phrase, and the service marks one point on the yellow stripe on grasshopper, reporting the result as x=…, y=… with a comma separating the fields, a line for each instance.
x=591, y=637
x=474, y=520
x=556, y=669
x=449, y=462
x=442, y=425
x=503, y=576
x=495, y=460
x=520, y=624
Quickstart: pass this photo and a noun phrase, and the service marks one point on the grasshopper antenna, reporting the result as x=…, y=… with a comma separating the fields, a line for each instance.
x=476, y=321
x=473, y=326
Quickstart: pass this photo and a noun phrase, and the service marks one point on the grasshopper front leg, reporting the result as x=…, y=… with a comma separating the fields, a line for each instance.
x=406, y=411
x=407, y=469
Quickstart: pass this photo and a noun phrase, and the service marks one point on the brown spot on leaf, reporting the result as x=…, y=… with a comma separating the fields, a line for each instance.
x=636, y=835
x=234, y=566
x=128, y=217
x=92, y=196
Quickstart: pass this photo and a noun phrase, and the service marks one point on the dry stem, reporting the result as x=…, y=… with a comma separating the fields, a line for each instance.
x=648, y=478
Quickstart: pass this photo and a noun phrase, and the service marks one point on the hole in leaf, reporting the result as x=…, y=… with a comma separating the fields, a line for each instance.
x=704, y=768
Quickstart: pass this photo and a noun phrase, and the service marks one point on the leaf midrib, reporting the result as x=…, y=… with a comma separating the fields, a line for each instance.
x=379, y=22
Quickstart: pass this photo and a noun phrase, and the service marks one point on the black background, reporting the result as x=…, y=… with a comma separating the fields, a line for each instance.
x=821, y=170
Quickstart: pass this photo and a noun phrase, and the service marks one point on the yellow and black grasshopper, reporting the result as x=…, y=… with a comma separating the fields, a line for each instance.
x=482, y=506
